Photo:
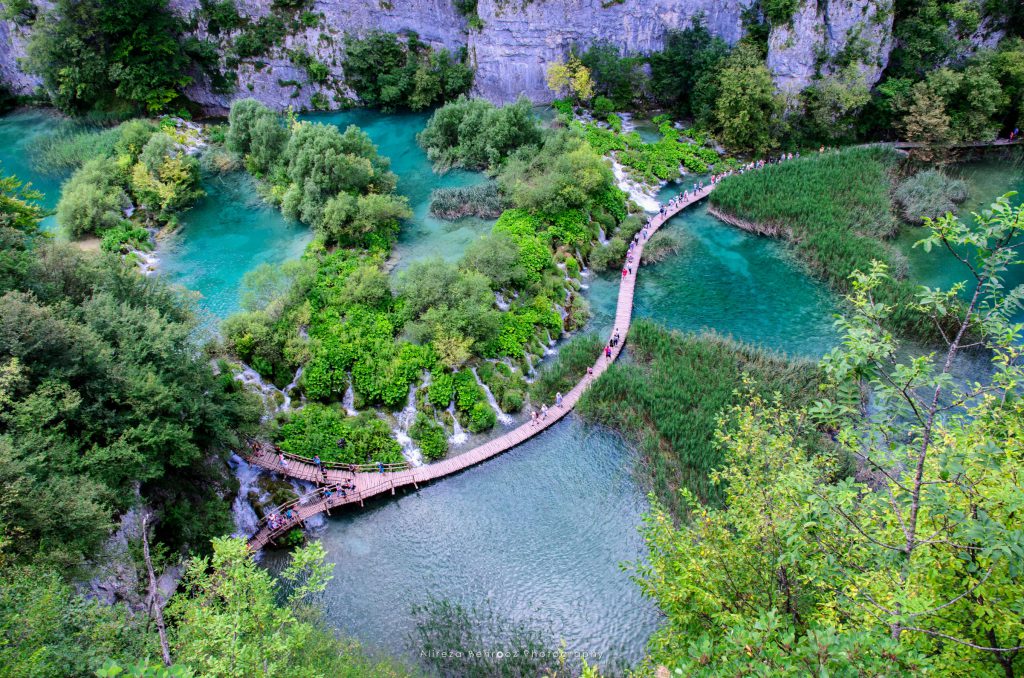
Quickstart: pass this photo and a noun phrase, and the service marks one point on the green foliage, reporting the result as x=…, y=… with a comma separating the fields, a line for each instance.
x=779, y=12
x=831, y=105
x=467, y=392
x=109, y=397
x=221, y=16
x=834, y=208
x=649, y=162
x=440, y=298
x=480, y=200
x=21, y=12
x=747, y=114
x=475, y=134
x=92, y=200
x=618, y=80
x=497, y=256
x=391, y=74
x=441, y=390
x=563, y=173
x=316, y=430
x=124, y=236
x=671, y=398
x=522, y=227
x=866, y=575
x=19, y=230
x=62, y=151
x=234, y=618
x=684, y=73
x=574, y=357
x=430, y=436
x=506, y=384
x=110, y=55
x=929, y=194
x=482, y=418
x=259, y=37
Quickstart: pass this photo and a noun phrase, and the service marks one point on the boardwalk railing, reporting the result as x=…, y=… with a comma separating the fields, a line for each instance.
x=258, y=452
x=371, y=481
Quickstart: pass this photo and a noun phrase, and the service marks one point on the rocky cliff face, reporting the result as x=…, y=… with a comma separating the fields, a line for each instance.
x=518, y=40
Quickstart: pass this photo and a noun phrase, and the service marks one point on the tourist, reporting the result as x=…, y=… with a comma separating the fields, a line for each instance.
x=380, y=467
x=624, y=273
x=590, y=371
x=282, y=461
x=607, y=351
x=533, y=418
x=558, y=398
x=543, y=411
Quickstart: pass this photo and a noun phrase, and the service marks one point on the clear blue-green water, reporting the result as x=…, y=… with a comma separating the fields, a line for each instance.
x=537, y=535
x=18, y=132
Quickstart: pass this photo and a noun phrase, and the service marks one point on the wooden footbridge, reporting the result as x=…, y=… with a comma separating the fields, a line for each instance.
x=342, y=484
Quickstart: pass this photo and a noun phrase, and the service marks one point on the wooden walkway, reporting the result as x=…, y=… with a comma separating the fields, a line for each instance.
x=340, y=486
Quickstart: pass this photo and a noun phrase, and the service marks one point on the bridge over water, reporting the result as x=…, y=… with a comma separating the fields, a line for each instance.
x=345, y=484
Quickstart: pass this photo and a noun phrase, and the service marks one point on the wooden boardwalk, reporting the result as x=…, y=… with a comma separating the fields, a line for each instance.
x=340, y=486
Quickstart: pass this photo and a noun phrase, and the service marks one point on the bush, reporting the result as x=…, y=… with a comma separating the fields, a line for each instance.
x=441, y=389
x=430, y=436
x=124, y=236
x=482, y=200
x=482, y=418
x=316, y=430
x=929, y=194
x=467, y=392
x=475, y=134
x=391, y=74
x=92, y=201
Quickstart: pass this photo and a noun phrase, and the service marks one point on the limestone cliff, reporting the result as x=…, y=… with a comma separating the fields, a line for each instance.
x=518, y=39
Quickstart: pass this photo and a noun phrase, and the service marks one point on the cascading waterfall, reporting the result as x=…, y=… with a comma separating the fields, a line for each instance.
x=458, y=436
x=349, y=401
x=245, y=516
x=286, y=404
x=602, y=237
x=268, y=393
x=502, y=417
x=404, y=420
x=640, y=194
x=530, y=372
x=501, y=302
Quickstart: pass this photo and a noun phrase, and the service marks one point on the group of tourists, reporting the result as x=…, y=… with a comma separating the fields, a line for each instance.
x=538, y=419
x=276, y=520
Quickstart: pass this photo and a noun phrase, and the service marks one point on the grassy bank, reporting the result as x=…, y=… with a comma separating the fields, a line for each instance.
x=670, y=399
x=835, y=209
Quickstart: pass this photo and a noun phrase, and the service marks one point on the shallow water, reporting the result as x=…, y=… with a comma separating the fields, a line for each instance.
x=18, y=131
x=735, y=283
x=229, y=232
x=536, y=535
x=423, y=236
x=987, y=180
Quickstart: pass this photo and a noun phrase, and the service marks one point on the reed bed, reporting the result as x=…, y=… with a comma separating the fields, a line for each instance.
x=670, y=399
x=574, y=357
x=835, y=209
x=482, y=200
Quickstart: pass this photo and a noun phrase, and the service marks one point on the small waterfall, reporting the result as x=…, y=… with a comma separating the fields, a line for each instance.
x=640, y=194
x=601, y=236
x=502, y=417
x=561, y=310
x=584, y=271
x=245, y=516
x=349, y=401
x=530, y=372
x=404, y=420
x=268, y=393
x=501, y=302
x=458, y=436
x=286, y=404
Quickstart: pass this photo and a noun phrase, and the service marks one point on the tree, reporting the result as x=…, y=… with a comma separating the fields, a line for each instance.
x=925, y=119
x=571, y=78
x=620, y=78
x=92, y=200
x=914, y=561
x=110, y=55
x=747, y=109
x=831, y=104
x=683, y=69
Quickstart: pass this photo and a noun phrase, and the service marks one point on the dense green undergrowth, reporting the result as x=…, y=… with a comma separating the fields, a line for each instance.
x=671, y=398
x=835, y=209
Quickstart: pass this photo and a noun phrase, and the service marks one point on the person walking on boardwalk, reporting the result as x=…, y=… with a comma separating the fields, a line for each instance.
x=544, y=412
x=607, y=351
x=281, y=460
x=558, y=398
x=533, y=418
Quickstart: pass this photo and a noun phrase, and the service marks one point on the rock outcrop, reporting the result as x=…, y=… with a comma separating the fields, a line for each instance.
x=824, y=31
x=518, y=39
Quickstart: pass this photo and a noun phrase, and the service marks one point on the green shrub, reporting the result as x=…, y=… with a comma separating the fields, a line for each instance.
x=316, y=430
x=602, y=105
x=123, y=236
x=92, y=200
x=467, y=392
x=929, y=194
x=441, y=389
x=482, y=418
x=430, y=436
x=475, y=134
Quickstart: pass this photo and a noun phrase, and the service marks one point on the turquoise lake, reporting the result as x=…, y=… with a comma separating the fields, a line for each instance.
x=538, y=535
